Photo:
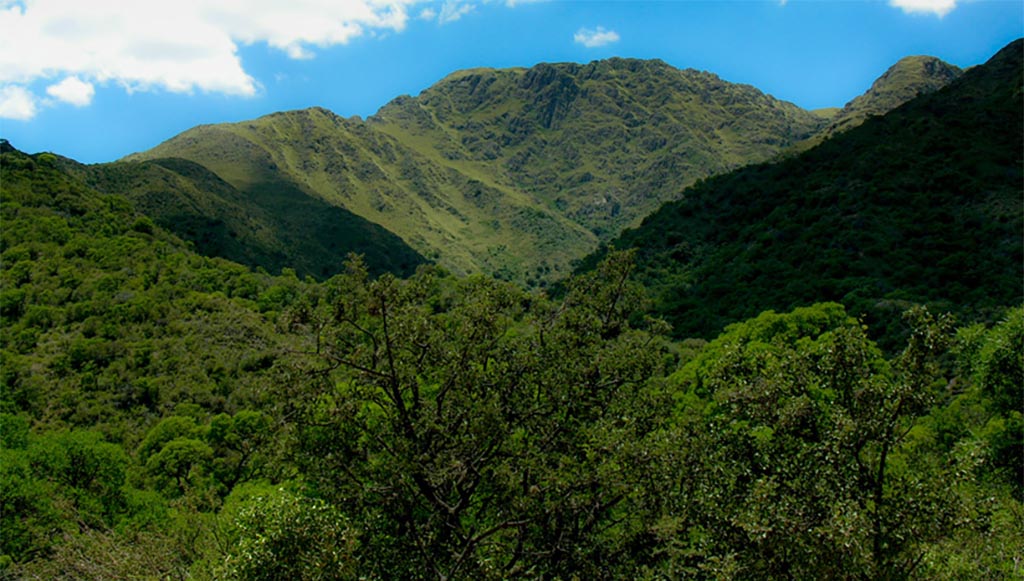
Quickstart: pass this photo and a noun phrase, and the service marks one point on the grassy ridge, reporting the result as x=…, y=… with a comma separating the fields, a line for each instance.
x=465, y=223
x=603, y=143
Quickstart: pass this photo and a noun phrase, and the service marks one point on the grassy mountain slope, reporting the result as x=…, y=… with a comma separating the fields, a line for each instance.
x=460, y=219
x=604, y=143
x=273, y=227
x=516, y=172
x=920, y=205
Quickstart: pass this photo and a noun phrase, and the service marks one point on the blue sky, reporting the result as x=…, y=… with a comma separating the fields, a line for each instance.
x=98, y=80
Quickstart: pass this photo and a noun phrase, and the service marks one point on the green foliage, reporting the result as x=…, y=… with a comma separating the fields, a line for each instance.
x=179, y=464
x=27, y=513
x=990, y=407
x=801, y=459
x=109, y=327
x=285, y=536
x=59, y=482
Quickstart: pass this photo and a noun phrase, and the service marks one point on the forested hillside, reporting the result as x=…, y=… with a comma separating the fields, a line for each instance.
x=922, y=205
x=173, y=416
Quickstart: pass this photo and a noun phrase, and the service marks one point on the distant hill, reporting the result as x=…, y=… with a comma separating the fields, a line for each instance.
x=920, y=205
x=515, y=173
x=908, y=78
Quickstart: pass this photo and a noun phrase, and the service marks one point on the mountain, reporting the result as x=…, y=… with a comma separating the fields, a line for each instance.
x=603, y=143
x=273, y=227
x=910, y=77
x=515, y=172
x=920, y=205
x=169, y=415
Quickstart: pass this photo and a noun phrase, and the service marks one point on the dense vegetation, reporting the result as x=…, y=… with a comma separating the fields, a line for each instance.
x=922, y=205
x=169, y=415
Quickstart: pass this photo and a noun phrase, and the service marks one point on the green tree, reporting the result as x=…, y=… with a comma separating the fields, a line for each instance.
x=477, y=430
x=237, y=442
x=285, y=536
x=796, y=461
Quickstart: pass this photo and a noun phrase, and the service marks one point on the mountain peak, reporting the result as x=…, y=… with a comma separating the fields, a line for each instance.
x=908, y=78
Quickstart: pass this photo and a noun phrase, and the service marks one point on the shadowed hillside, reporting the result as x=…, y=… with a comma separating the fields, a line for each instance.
x=921, y=205
x=274, y=226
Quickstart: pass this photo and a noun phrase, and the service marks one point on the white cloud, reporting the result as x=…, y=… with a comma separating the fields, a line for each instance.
x=180, y=46
x=595, y=37
x=72, y=90
x=17, y=103
x=428, y=14
x=939, y=8
x=453, y=10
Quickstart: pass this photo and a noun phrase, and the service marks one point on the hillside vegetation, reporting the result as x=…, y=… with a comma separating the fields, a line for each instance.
x=922, y=205
x=168, y=415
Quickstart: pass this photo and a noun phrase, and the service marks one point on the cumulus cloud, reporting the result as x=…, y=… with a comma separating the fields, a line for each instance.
x=595, y=37
x=17, y=103
x=72, y=90
x=181, y=46
x=939, y=8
